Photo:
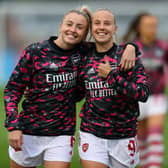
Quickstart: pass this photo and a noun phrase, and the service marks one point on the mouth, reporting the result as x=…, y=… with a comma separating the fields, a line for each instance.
x=101, y=34
x=72, y=36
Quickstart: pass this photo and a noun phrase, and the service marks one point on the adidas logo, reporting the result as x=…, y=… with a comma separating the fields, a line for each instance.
x=91, y=71
x=53, y=65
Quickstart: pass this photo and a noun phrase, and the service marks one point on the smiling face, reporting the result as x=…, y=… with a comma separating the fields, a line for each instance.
x=72, y=30
x=103, y=27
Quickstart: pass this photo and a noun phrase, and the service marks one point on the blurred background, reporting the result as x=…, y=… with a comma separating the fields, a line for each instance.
x=26, y=21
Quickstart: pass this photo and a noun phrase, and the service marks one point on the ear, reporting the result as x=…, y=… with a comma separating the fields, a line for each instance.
x=60, y=27
x=115, y=29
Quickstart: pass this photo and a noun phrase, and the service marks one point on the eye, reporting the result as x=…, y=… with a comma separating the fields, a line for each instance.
x=107, y=23
x=69, y=24
x=96, y=22
x=80, y=27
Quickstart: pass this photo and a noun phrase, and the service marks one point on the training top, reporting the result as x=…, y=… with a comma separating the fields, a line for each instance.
x=111, y=108
x=51, y=75
x=155, y=61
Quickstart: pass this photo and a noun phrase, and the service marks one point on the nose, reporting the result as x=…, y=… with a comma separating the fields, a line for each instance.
x=101, y=26
x=73, y=28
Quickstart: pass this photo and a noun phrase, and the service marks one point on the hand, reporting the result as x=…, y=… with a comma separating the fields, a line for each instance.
x=128, y=58
x=104, y=68
x=16, y=139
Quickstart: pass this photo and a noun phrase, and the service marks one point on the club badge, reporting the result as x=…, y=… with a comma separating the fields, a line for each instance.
x=85, y=147
x=75, y=58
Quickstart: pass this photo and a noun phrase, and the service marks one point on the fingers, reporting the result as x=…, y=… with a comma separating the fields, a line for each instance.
x=103, y=70
x=126, y=65
x=131, y=64
x=106, y=59
x=16, y=139
x=128, y=58
x=122, y=64
x=16, y=144
x=101, y=73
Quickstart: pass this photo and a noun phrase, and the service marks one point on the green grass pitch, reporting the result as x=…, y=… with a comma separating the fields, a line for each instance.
x=4, y=159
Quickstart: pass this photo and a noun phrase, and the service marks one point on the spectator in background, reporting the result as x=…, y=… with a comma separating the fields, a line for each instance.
x=143, y=30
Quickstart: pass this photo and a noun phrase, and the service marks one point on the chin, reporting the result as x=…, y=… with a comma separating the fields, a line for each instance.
x=101, y=41
x=71, y=42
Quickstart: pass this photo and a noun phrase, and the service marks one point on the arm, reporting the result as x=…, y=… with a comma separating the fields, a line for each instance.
x=12, y=96
x=14, y=90
x=136, y=87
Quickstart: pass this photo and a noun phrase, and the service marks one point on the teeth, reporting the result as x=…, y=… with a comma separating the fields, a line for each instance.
x=71, y=36
x=101, y=34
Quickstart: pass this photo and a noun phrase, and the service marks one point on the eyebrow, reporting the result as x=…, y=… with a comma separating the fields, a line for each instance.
x=103, y=20
x=73, y=22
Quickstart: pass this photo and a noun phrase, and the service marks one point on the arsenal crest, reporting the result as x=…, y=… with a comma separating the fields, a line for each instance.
x=75, y=58
x=85, y=147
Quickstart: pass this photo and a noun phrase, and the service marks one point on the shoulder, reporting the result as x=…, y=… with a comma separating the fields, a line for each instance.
x=39, y=46
x=87, y=45
x=86, y=49
x=32, y=50
x=33, y=46
x=119, y=48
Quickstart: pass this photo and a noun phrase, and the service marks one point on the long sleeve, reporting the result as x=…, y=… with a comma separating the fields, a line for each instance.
x=15, y=87
x=137, y=51
x=132, y=84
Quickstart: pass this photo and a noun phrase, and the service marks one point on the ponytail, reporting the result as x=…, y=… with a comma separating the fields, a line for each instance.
x=88, y=15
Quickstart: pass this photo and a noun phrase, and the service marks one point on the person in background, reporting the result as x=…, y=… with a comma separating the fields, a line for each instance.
x=143, y=30
x=42, y=133
x=108, y=127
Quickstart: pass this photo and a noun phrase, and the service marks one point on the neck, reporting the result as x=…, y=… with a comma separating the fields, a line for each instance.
x=60, y=43
x=100, y=47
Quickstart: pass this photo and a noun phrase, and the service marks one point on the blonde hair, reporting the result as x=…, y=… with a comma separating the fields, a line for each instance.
x=84, y=11
x=87, y=11
x=108, y=10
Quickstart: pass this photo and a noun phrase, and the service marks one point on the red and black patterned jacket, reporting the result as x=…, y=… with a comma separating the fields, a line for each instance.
x=111, y=108
x=50, y=73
